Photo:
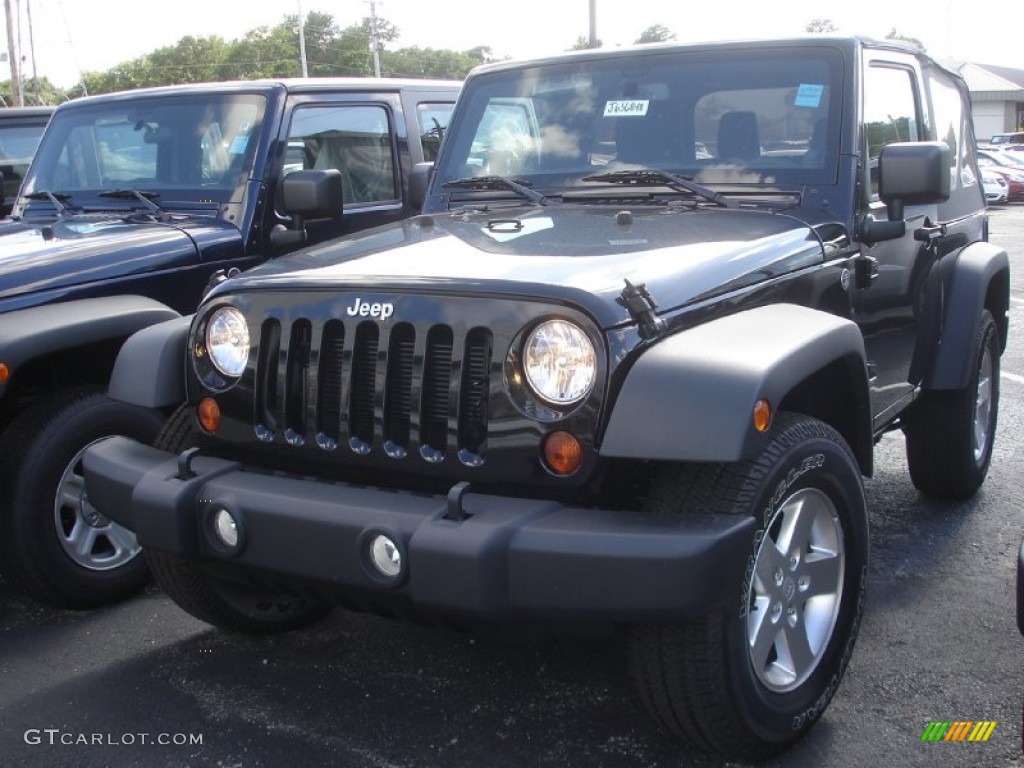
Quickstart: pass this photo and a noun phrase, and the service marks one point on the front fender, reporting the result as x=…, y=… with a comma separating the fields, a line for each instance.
x=691, y=396
x=150, y=368
x=29, y=334
x=981, y=278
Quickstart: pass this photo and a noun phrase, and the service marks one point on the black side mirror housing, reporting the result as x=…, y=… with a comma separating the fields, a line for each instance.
x=909, y=173
x=307, y=195
x=419, y=181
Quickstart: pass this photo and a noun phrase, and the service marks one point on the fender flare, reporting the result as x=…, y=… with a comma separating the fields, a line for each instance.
x=690, y=397
x=28, y=334
x=150, y=368
x=979, y=267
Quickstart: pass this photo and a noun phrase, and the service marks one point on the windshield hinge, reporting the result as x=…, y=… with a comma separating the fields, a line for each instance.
x=641, y=307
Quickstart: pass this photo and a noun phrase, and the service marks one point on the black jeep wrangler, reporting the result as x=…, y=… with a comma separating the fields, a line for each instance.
x=627, y=369
x=131, y=203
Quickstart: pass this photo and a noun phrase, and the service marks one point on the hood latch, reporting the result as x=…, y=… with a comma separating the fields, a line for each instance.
x=641, y=307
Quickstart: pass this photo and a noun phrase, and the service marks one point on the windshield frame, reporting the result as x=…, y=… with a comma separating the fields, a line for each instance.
x=668, y=70
x=200, y=190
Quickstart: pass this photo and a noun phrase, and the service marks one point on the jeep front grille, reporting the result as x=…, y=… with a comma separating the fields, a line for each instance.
x=399, y=388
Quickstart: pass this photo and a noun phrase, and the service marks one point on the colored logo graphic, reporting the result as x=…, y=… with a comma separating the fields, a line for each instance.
x=958, y=730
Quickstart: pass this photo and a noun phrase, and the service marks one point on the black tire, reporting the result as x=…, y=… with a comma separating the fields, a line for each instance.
x=701, y=680
x=54, y=545
x=217, y=598
x=949, y=434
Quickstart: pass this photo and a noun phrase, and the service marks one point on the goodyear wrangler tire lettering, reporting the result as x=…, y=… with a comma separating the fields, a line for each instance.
x=748, y=683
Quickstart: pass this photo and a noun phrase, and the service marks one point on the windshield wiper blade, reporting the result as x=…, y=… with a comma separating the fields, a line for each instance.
x=143, y=196
x=501, y=182
x=654, y=177
x=58, y=199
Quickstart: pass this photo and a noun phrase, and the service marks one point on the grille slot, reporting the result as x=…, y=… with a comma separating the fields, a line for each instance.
x=437, y=371
x=405, y=388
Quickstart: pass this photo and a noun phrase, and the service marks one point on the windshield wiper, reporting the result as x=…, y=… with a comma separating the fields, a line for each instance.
x=145, y=197
x=653, y=177
x=501, y=182
x=57, y=199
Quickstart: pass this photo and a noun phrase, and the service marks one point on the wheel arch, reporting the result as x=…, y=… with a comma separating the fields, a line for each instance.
x=150, y=367
x=690, y=397
x=980, y=281
x=73, y=342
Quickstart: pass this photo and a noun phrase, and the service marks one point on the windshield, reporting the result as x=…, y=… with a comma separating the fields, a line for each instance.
x=746, y=117
x=189, y=148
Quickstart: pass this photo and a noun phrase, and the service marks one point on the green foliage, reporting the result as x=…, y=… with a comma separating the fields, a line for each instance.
x=273, y=52
x=583, y=43
x=821, y=27
x=656, y=34
x=39, y=92
x=894, y=35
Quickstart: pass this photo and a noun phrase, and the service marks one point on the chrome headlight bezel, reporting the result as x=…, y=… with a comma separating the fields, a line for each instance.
x=559, y=362
x=227, y=341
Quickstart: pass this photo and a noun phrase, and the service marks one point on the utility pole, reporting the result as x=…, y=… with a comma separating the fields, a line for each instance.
x=13, y=57
x=374, y=38
x=302, y=43
x=592, y=42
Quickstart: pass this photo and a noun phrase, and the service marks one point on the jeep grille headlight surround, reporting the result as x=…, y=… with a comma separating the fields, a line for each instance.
x=560, y=362
x=227, y=340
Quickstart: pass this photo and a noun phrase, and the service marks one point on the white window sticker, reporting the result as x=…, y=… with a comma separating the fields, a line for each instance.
x=809, y=95
x=631, y=108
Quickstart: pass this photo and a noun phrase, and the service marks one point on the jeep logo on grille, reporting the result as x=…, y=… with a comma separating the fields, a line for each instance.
x=381, y=309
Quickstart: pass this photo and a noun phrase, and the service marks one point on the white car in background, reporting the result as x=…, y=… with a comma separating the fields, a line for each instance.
x=994, y=185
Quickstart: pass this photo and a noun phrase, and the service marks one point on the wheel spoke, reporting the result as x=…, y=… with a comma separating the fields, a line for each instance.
x=796, y=527
x=824, y=575
x=763, y=632
x=770, y=561
x=71, y=490
x=798, y=649
x=122, y=540
x=82, y=539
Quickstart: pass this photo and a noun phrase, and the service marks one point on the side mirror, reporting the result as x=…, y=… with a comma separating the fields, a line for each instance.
x=419, y=181
x=909, y=173
x=307, y=195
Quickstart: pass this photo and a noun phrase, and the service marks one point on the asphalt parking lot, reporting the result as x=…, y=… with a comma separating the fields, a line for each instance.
x=142, y=683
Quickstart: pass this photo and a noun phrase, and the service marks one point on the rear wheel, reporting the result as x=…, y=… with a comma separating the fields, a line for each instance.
x=753, y=676
x=949, y=434
x=55, y=544
x=217, y=598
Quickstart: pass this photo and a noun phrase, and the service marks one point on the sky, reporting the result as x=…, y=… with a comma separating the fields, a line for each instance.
x=72, y=36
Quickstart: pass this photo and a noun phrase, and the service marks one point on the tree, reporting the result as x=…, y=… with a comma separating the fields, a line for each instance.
x=894, y=35
x=656, y=34
x=583, y=43
x=821, y=27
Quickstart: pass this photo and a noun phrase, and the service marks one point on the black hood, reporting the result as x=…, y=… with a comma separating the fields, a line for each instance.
x=73, y=252
x=577, y=254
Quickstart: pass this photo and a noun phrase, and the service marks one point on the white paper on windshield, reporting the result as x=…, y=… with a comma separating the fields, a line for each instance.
x=626, y=108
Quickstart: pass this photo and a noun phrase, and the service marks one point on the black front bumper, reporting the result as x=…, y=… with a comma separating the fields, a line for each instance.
x=506, y=558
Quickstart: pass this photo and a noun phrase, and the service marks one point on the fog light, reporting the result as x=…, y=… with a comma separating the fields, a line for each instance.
x=226, y=528
x=385, y=556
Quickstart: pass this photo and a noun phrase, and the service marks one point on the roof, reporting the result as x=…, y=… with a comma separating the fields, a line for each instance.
x=988, y=83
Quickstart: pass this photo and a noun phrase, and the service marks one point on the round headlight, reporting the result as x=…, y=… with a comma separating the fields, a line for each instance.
x=559, y=362
x=227, y=339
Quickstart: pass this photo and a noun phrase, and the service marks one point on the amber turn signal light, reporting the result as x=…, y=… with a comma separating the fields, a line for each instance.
x=5, y=373
x=563, y=453
x=209, y=414
x=762, y=415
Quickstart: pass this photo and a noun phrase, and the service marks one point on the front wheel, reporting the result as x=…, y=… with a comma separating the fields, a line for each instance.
x=234, y=604
x=54, y=544
x=750, y=678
